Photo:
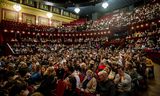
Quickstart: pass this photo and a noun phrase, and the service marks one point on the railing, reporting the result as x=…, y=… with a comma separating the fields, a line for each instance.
x=10, y=48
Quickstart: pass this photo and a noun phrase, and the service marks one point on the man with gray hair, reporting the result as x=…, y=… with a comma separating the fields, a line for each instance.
x=105, y=87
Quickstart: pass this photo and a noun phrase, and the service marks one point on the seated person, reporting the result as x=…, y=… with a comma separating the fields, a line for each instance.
x=123, y=81
x=111, y=74
x=70, y=90
x=18, y=88
x=48, y=85
x=105, y=86
x=89, y=83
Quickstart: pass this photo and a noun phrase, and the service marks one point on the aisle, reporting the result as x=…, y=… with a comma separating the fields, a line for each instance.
x=154, y=85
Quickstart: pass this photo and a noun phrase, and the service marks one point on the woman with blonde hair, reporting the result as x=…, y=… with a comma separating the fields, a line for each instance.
x=89, y=83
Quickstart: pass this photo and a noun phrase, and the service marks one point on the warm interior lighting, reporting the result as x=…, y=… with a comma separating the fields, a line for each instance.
x=132, y=28
x=50, y=22
x=17, y=31
x=12, y=31
x=49, y=15
x=5, y=30
x=17, y=7
x=36, y=21
x=141, y=25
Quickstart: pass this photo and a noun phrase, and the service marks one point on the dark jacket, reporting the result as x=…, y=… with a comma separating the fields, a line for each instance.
x=48, y=85
x=70, y=93
x=106, y=88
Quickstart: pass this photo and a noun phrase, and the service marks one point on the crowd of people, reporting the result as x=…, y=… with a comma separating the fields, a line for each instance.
x=121, y=19
x=117, y=20
x=147, y=39
x=79, y=70
x=139, y=39
x=28, y=45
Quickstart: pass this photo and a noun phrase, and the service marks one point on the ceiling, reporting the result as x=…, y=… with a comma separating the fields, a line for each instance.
x=72, y=3
x=91, y=6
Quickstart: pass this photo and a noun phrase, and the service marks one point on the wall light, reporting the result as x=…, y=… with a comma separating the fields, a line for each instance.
x=17, y=7
x=49, y=15
x=20, y=18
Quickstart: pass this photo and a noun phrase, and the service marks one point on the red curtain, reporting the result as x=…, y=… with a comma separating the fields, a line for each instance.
x=1, y=37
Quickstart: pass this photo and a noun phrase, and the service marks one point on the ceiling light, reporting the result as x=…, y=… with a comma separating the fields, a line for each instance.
x=17, y=7
x=104, y=5
x=77, y=10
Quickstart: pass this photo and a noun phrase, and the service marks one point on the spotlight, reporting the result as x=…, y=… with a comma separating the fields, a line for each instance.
x=77, y=10
x=105, y=5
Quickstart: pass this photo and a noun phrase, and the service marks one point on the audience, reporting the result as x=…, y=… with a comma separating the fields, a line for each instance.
x=87, y=68
x=79, y=63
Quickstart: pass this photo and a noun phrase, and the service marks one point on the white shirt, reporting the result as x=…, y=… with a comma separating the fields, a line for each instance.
x=75, y=74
